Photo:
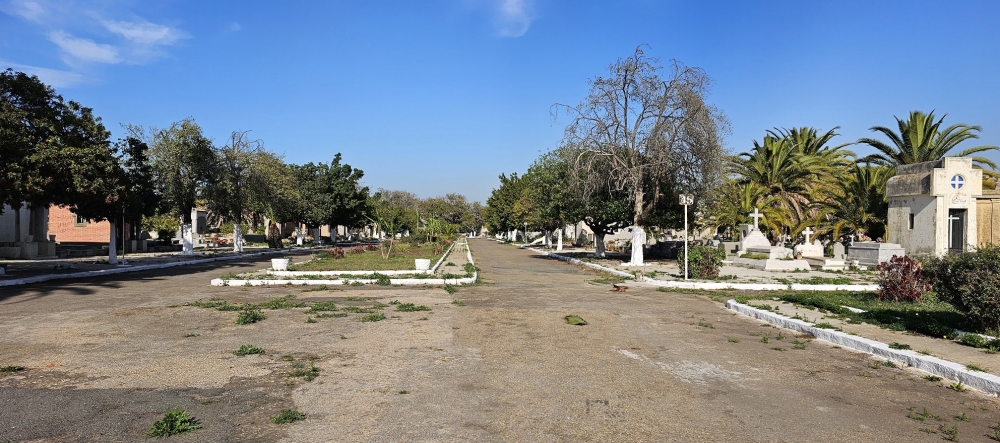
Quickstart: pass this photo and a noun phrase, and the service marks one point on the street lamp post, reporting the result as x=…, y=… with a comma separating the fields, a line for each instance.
x=526, y=233
x=686, y=199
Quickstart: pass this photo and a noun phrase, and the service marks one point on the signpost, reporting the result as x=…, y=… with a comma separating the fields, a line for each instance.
x=686, y=199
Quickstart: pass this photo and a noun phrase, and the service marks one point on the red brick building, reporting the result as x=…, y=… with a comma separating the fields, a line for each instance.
x=67, y=227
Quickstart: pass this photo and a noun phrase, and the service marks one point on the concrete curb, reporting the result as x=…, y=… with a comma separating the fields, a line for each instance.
x=583, y=263
x=102, y=272
x=982, y=381
x=716, y=285
x=344, y=281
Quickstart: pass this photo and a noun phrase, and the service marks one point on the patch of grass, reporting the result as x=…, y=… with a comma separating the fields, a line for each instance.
x=950, y=434
x=778, y=348
x=780, y=336
x=288, y=416
x=12, y=368
x=469, y=269
x=354, y=283
x=317, y=288
x=451, y=263
x=353, y=298
x=191, y=334
x=177, y=421
x=284, y=302
x=357, y=310
x=575, y=320
x=218, y=303
x=410, y=307
x=705, y=324
x=404, y=392
x=332, y=315
x=825, y=325
x=310, y=320
x=996, y=431
x=975, y=368
x=962, y=417
x=932, y=378
x=321, y=306
x=287, y=358
x=249, y=316
x=608, y=280
x=248, y=350
x=450, y=289
x=895, y=345
x=797, y=344
x=766, y=338
x=458, y=302
x=381, y=279
x=373, y=317
x=921, y=416
x=402, y=257
x=734, y=340
x=299, y=370
x=924, y=352
x=957, y=387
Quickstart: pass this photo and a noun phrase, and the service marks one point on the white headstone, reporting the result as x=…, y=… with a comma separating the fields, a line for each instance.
x=756, y=217
x=839, y=251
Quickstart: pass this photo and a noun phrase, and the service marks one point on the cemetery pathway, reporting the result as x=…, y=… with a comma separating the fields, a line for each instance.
x=107, y=357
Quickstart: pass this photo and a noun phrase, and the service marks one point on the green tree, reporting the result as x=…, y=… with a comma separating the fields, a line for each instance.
x=858, y=203
x=392, y=213
x=777, y=167
x=647, y=129
x=921, y=139
x=735, y=201
x=331, y=195
x=182, y=161
x=499, y=213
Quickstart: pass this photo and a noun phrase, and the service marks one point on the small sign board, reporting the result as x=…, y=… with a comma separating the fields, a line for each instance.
x=686, y=199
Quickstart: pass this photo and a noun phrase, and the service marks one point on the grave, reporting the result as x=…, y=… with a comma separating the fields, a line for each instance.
x=809, y=249
x=870, y=254
x=779, y=258
x=752, y=237
x=932, y=206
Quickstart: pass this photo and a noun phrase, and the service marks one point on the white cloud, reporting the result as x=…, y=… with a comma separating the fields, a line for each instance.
x=52, y=77
x=83, y=49
x=27, y=9
x=513, y=17
x=235, y=27
x=145, y=33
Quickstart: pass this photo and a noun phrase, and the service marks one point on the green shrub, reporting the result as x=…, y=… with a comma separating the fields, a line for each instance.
x=381, y=279
x=970, y=281
x=704, y=262
x=174, y=422
x=900, y=279
x=288, y=416
x=249, y=316
x=248, y=350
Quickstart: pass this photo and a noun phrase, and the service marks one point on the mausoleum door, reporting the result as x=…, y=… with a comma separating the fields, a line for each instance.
x=956, y=230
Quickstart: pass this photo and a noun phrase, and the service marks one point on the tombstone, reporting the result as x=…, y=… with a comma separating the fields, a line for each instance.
x=932, y=206
x=754, y=240
x=872, y=253
x=839, y=251
x=809, y=249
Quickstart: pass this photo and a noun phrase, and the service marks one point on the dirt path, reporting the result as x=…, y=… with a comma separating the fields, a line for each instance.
x=500, y=366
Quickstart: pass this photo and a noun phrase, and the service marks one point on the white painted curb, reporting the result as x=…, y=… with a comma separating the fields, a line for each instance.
x=392, y=281
x=583, y=263
x=982, y=381
x=102, y=272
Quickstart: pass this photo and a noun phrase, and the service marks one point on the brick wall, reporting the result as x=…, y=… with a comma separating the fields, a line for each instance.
x=62, y=224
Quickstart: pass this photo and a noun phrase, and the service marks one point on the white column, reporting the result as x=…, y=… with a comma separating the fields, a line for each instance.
x=559, y=242
x=638, y=240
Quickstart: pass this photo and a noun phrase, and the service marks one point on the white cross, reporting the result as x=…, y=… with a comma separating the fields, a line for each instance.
x=756, y=216
x=957, y=182
x=951, y=222
x=807, y=232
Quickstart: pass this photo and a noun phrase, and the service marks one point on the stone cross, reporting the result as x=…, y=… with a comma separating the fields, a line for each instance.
x=807, y=232
x=756, y=216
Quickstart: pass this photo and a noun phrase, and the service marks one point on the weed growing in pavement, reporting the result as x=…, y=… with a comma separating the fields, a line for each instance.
x=780, y=336
x=284, y=302
x=381, y=279
x=373, y=317
x=962, y=417
x=825, y=325
x=932, y=378
x=705, y=324
x=451, y=263
x=975, y=368
x=458, y=302
x=410, y=307
x=924, y=352
x=450, y=289
x=310, y=320
x=957, y=387
x=895, y=345
x=177, y=421
x=322, y=306
x=766, y=338
x=360, y=298
x=996, y=431
x=12, y=368
x=798, y=344
x=288, y=416
x=299, y=370
x=921, y=416
x=343, y=337
x=191, y=334
x=248, y=350
x=950, y=434
x=249, y=316
x=404, y=392
x=317, y=288
x=734, y=340
x=778, y=348
x=332, y=315
x=608, y=280
x=357, y=310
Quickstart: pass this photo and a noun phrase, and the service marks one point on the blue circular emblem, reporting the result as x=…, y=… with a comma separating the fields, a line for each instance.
x=957, y=181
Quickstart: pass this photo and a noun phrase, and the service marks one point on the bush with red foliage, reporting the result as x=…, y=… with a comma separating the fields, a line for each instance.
x=900, y=279
x=336, y=253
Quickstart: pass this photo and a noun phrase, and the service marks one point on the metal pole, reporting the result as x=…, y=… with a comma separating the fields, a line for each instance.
x=685, y=242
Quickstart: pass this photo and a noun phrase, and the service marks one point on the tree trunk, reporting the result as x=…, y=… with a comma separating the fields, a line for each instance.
x=238, y=238
x=299, y=236
x=113, y=244
x=548, y=240
x=598, y=245
x=559, y=241
x=17, y=224
x=187, y=239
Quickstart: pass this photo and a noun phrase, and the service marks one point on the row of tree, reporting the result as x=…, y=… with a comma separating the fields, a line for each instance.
x=645, y=134
x=58, y=153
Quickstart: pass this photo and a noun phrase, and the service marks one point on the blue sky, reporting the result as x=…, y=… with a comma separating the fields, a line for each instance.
x=440, y=96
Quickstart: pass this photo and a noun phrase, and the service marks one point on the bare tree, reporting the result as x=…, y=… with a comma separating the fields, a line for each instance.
x=648, y=134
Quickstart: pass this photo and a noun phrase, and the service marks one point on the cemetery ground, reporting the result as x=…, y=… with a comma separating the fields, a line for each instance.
x=105, y=358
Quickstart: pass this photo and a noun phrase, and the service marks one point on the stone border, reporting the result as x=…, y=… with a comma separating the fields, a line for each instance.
x=392, y=272
x=113, y=271
x=715, y=285
x=982, y=381
x=392, y=281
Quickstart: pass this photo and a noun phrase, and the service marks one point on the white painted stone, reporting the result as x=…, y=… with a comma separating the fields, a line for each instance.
x=422, y=264
x=280, y=264
x=809, y=250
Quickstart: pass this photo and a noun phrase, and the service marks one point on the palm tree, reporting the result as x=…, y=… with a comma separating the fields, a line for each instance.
x=777, y=167
x=858, y=203
x=921, y=139
x=736, y=201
